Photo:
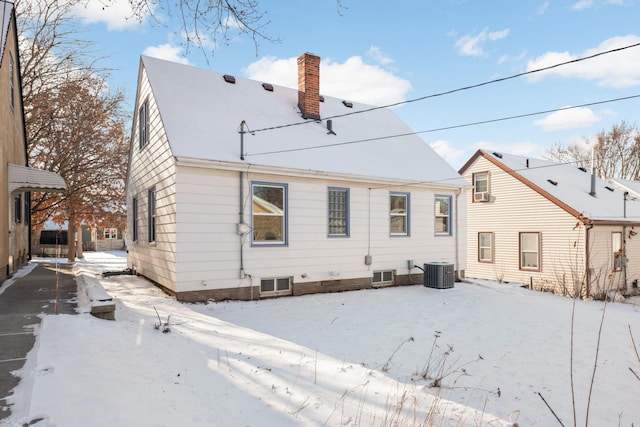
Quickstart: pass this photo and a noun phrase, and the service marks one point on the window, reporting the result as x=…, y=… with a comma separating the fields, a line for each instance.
x=481, y=187
x=143, y=124
x=399, y=214
x=530, y=251
x=17, y=209
x=269, y=213
x=338, y=200
x=152, y=214
x=485, y=247
x=275, y=286
x=11, y=82
x=27, y=208
x=382, y=277
x=134, y=215
x=443, y=215
x=110, y=233
x=616, y=247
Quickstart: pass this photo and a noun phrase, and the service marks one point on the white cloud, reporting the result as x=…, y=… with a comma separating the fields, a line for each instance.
x=582, y=5
x=448, y=152
x=473, y=45
x=353, y=79
x=166, y=51
x=618, y=69
x=543, y=8
x=376, y=54
x=115, y=14
x=568, y=119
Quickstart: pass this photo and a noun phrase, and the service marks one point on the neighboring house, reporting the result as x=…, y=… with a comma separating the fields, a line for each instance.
x=53, y=239
x=16, y=178
x=239, y=189
x=551, y=226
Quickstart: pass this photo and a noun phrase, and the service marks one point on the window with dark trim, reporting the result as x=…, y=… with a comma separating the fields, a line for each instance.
x=269, y=213
x=481, y=188
x=134, y=219
x=443, y=215
x=530, y=251
x=143, y=124
x=399, y=213
x=338, y=215
x=152, y=214
x=616, y=248
x=11, y=82
x=17, y=209
x=485, y=247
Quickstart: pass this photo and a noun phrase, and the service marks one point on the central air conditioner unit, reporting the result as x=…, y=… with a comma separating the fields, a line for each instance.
x=439, y=275
x=482, y=197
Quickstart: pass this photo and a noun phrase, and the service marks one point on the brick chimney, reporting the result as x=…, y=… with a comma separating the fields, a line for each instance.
x=309, y=85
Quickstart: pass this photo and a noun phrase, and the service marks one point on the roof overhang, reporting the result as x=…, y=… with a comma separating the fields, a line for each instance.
x=25, y=178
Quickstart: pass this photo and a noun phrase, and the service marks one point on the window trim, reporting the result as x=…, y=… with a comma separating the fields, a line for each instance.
x=143, y=124
x=406, y=215
x=347, y=212
x=134, y=220
x=474, y=193
x=539, y=251
x=151, y=215
x=449, y=215
x=491, y=248
x=109, y=232
x=285, y=215
x=617, y=261
x=275, y=291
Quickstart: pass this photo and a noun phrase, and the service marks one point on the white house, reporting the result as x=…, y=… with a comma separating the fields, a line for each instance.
x=239, y=189
x=552, y=226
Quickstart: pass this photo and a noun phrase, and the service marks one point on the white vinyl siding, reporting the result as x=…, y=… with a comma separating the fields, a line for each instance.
x=152, y=167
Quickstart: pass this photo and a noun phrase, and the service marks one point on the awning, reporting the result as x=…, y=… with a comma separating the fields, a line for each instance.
x=25, y=178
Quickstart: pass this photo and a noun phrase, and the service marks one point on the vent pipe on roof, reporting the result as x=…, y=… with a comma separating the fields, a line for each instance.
x=309, y=85
x=593, y=172
x=330, y=127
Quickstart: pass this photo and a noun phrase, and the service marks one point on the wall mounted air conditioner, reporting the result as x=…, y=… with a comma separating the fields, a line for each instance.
x=439, y=275
x=482, y=197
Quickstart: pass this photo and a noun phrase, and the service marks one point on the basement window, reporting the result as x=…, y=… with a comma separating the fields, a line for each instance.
x=275, y=286
x=382, y=278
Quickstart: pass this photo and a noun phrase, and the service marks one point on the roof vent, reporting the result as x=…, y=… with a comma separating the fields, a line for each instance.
x=348, y=104
x=330, y=127
x=268, y=87
x=583, y=169
x=608, y=188
x=498, y=155
x=229, y=79
x=321, y=98
x=552, y=182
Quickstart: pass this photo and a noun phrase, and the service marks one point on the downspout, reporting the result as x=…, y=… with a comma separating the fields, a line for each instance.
x=624, y=242
x=457, y=240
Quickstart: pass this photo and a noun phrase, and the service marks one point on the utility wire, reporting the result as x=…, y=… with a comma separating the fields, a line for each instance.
x=449, y=92
x=358, y=141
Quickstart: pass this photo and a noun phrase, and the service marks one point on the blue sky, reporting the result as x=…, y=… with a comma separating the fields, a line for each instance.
x=382, y=52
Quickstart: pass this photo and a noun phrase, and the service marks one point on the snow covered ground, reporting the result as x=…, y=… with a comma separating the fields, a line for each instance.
x=363, y=358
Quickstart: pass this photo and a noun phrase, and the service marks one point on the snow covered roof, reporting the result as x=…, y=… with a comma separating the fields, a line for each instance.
x=6, y=9
x=633, y=187
x=568, y=186
x=202, y=113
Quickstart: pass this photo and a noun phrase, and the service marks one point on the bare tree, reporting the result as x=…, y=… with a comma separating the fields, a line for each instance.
x=78, y=131
x=617, y=152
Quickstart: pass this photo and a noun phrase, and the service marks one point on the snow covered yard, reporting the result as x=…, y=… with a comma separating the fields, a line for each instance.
x=363, y=358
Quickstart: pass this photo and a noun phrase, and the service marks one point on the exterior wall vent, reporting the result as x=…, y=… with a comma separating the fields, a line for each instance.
x=229, y=79
x=439, y=275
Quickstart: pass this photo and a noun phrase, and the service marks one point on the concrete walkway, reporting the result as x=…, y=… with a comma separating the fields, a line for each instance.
x=22, y=300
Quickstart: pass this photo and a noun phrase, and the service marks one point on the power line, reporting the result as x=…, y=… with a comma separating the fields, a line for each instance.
x=449, y=92
x=443, y=128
